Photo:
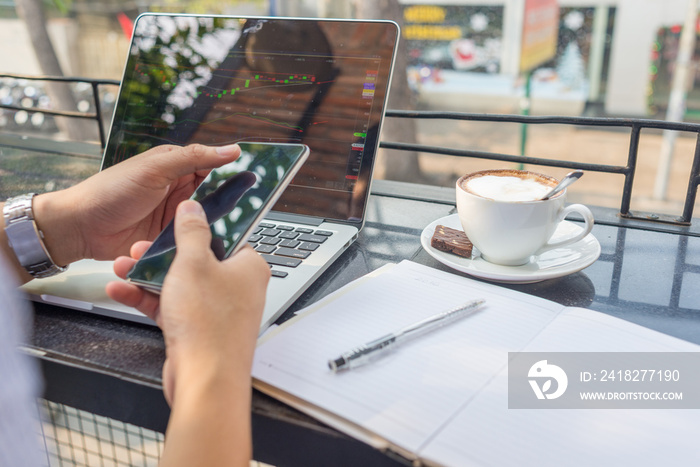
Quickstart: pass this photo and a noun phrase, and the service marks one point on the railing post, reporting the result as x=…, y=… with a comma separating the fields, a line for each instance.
x=98, y=113
x=629, y=174
x=693, y=182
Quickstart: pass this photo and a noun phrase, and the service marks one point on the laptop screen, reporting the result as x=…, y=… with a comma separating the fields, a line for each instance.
x=216, y=80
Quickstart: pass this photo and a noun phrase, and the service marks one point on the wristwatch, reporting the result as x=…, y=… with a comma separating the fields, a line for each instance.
x=25, y=238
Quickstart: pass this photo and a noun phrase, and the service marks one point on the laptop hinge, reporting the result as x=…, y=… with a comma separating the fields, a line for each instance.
x=294, y=218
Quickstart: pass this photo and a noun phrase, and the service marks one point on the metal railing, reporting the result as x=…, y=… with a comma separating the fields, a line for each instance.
x=95, y=85
x=627, y=171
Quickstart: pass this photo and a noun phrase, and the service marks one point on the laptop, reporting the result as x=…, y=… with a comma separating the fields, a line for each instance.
x=218, y=80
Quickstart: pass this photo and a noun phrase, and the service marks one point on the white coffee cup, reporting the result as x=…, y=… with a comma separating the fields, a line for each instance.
x=502, y=213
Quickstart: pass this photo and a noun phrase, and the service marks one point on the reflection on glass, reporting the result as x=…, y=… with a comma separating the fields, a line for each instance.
x=219, y=80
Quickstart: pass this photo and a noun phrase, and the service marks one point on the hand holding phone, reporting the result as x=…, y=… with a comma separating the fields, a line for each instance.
x=235, y=198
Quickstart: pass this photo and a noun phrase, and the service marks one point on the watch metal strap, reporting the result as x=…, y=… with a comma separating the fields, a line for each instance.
x=25, y=238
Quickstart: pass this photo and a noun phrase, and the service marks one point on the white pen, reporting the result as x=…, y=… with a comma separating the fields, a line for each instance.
x=377, y=347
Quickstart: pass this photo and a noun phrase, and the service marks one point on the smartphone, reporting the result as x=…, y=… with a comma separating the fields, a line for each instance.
x=235, y=198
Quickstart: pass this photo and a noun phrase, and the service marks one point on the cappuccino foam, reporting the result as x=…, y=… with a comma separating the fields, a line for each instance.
x=507, y=188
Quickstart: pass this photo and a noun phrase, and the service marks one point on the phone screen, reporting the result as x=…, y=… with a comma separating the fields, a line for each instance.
x=235, y=197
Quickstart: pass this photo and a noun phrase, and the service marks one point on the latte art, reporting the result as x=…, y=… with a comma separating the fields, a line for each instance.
x=507, y=188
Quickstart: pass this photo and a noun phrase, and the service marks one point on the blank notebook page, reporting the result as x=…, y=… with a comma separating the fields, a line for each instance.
x=410, y=394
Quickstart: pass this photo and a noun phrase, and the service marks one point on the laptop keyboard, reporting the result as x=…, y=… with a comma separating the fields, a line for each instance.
x=285, y=245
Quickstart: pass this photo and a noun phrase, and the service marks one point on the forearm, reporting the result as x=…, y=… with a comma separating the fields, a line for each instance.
x=210, y=421
x=55, y=216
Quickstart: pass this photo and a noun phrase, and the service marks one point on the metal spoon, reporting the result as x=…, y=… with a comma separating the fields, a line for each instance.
x=566, y=181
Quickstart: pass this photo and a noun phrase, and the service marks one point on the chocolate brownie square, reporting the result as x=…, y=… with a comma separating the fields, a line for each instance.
x=451, y=241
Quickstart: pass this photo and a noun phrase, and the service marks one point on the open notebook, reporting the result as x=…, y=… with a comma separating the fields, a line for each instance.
x=442, y=399
x=222, y=79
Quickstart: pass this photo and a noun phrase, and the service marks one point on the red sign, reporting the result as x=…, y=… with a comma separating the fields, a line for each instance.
x=540, y=28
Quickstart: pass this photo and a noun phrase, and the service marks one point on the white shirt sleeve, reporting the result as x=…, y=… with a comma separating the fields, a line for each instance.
x=19, y=380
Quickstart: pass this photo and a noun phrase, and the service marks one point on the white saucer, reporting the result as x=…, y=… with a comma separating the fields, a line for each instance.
x=549, y=265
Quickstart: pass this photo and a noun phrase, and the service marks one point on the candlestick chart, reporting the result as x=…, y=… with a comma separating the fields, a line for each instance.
x=233, y=97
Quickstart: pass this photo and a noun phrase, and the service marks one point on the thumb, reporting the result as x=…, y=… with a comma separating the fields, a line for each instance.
x=192, y=234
